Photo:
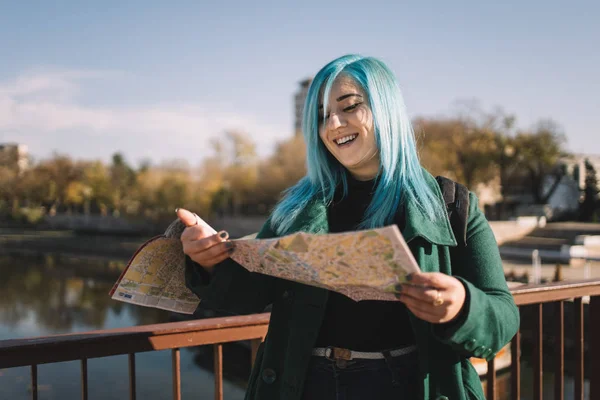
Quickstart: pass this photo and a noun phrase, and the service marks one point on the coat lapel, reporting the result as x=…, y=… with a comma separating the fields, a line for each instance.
x=313, y=219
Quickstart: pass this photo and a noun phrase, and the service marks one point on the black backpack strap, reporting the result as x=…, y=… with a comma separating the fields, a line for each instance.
x=456, y=197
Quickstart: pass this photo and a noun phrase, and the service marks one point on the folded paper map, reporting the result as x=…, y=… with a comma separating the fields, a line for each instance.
x=363, y=265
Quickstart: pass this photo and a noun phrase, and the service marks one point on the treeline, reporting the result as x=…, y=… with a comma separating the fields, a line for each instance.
x=521, y=165
x=476, y=149
x=233, y=180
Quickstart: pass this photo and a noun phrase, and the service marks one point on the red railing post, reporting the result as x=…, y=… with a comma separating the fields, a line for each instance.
x=176, y=360
x=255, y=344
x=559, y=348
x=515, y=367
x=218, y=366
x=34, y=382
x=538, y=354
x=594, y=316
x=491, y=379
x=579, y=345
x=84, y=379
x=132, y=387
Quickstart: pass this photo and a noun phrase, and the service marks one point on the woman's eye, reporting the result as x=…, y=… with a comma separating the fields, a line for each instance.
x=352, y=107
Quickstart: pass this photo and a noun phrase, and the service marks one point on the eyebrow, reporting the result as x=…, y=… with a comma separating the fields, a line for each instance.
x=347, y=95
x=343, y=98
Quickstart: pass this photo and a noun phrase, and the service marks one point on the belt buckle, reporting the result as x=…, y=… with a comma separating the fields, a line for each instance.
x=337, y=354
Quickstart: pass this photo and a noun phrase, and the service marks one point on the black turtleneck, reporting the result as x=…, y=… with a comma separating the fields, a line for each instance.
x=365, y=325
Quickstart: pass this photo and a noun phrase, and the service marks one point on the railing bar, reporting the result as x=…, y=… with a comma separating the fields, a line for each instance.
x=84, y=379
x=218, y=366
x=18, y=353
x=255, y=344
x=491, y=379
x=554, y=292
x=579, y=337
x=538, y=356
x=559, y=348
x=515, y=366
x=132, y=387
x=176, y=374
x=34, y=382
x=594, y=317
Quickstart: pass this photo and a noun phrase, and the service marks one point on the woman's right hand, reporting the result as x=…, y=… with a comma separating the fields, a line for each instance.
x=201, y=243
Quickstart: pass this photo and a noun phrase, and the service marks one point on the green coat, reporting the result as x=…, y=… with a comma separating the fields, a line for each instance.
x=487, y=322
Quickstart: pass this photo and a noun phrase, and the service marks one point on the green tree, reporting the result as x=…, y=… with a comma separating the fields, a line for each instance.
x=590, y=193
x=97, y=178
x=77, y=194
x=457, y=148
x=538, y=155
x=502, y=126
x=48, y=181
x=123, y=181
x=235, y=154
x=175, y=188
x=284, y=168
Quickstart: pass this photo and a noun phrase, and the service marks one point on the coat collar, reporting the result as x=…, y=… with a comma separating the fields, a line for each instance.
x=313, y=219
x=418, y=224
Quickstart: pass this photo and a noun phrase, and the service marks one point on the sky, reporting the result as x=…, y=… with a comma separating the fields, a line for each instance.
x=156, y=80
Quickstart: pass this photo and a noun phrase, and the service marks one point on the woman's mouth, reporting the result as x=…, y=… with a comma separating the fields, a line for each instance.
x=346, y=140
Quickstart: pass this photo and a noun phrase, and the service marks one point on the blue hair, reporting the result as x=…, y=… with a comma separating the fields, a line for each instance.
x=400, y=177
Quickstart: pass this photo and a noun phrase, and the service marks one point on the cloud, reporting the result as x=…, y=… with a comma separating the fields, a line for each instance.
x=42, y=109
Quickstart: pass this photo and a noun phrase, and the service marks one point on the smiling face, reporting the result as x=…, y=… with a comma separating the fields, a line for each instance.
x=346, y=128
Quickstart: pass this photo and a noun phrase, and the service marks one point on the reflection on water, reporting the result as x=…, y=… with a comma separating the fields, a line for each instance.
x=51, y=295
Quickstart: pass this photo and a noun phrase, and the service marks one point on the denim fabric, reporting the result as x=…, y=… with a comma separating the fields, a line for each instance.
x=396, y=379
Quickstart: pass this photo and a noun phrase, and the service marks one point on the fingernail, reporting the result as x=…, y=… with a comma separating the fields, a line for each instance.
x=224, y=235
x=229, y=245
x=398, y=287
x=409, y=277
x=177, y=209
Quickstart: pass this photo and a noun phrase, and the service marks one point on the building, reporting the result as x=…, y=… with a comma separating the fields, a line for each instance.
x=15, y=156
x=576, y=167
x=299, y=100
x=565, y=200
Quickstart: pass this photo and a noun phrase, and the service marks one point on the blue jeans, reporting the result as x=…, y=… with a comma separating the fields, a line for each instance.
x=396, y=378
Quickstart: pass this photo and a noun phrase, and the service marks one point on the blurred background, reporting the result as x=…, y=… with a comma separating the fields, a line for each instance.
x=114, y=114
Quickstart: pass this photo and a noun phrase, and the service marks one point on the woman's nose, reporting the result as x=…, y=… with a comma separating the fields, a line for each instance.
x=334, y=121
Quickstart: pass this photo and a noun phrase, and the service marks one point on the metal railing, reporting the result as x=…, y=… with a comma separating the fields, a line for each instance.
x=168, y=336
x=555, y=295
x=218, y=331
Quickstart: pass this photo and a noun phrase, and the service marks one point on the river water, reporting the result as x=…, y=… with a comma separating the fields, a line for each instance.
x=53, y=295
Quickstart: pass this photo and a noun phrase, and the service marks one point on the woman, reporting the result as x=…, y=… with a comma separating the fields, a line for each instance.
x=363, y=171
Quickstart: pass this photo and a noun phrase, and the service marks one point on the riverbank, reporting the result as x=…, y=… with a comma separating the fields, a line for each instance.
x=41, y=242
x=71, y=236
x=94, y=224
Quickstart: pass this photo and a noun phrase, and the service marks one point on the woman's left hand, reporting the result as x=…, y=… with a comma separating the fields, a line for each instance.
x=433, y=296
